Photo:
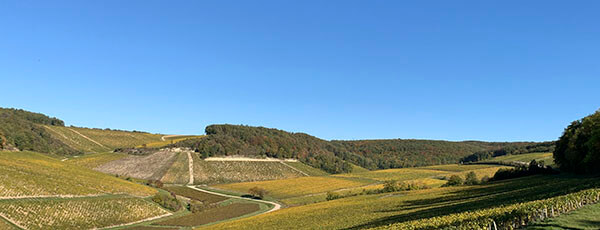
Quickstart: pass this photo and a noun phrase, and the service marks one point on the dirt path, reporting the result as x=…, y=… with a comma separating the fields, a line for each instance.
x=167, y=136
x=276, y=206
x=249, y=159
x=89, y=139
x=139, y=221
x=295, y=169
x=191, y=167
x=11, y=221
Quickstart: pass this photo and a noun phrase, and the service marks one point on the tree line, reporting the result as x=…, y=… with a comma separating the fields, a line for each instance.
x=23, y=130
x=578, y=149
x=332, y=156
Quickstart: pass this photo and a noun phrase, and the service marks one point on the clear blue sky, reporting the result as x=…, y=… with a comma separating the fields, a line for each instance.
x=453, y=70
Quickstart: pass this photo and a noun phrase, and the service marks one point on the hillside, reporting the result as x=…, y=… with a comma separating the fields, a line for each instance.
x=24, y=130
x=173, y=167
x=40, y=192
x=335, y=156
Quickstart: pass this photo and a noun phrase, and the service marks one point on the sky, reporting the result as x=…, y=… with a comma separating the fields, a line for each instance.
x=446, y=70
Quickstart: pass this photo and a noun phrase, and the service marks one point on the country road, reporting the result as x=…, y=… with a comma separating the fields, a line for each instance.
x=168, y=136
x=275, y=208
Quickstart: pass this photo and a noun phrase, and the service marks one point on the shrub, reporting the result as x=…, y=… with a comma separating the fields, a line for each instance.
x=471, y=179
x=333, y=196
x=454, y=180
x=167, y=200
x=258, y=192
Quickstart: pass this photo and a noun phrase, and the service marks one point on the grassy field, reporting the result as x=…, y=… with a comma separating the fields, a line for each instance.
x=78, y=213
x=546, y=157
x=24, y=174
x=214, y=172
x=381, y=209
x=584, y=218
x=293, y=187
x=95, y=159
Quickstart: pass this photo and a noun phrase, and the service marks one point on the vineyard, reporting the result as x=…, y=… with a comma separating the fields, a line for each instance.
x=509, y=217
x=78, y=213
x=152, y=166
x=587, y=217
x=26, y=174
x=100, y=140
x=381, y=210
x=213, y=172
x=95, y=159
x=178, y=172
x=212, y=215
x=296, y=186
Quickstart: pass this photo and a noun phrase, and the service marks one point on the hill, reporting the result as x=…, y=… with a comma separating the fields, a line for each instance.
x=334, y=156
x=172, y=166
x=40, y=192
x=22, y=130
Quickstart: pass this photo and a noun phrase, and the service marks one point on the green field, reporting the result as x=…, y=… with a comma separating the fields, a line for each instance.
x=79, y=213
x=383, y=209
x=26, y=174
x=584, y=218
x=546, y=157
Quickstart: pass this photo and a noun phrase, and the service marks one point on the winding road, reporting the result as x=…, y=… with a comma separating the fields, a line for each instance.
x=276, y=206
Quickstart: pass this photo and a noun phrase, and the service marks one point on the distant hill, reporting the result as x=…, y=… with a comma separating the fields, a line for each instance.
x=24, y=130
x=334, y=156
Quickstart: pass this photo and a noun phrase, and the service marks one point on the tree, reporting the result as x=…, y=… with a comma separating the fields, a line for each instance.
x=471, y=179
x=258, y=192
x=455, y=180
x=578, y=149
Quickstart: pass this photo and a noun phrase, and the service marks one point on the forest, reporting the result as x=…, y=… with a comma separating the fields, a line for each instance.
x=335, y=156
x=22, y=130
x=578, y=149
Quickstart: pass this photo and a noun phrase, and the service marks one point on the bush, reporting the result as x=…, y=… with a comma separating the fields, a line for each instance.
x=196, y=206
x=471, y=179
x=167, y=200
x=454, y=180
x=258, y=192
x=533, y=168
x=333, y=196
